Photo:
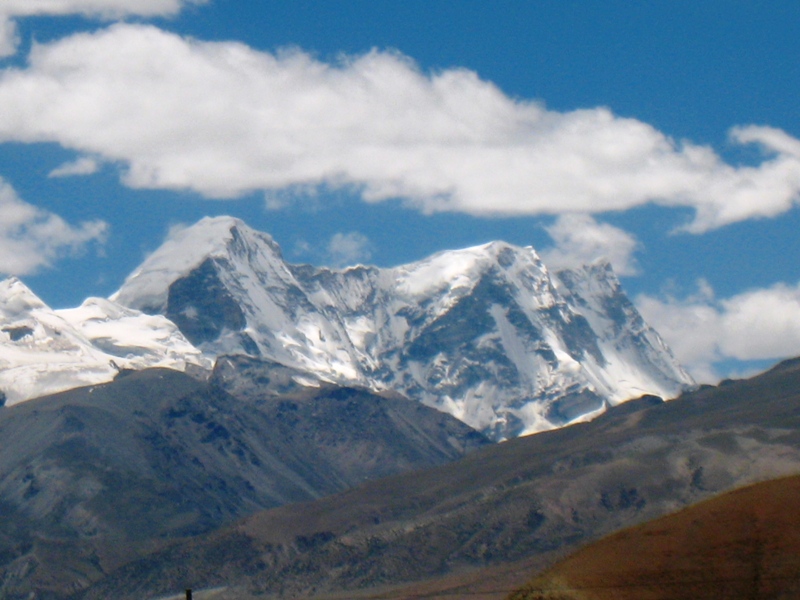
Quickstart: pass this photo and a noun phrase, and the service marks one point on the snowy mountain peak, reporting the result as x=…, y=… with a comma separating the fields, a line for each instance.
x=486, y=333
x=185, y=250
x=455, y=269
x=16, y=300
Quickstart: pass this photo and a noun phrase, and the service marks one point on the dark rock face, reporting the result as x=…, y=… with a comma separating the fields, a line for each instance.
x=256, y=379
x=571, y=406
x=202, y=307
x=17, y=333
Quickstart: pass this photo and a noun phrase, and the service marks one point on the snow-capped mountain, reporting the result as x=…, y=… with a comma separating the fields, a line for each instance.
x=43, y=351
x=629, y=346
x=229, y=291
x=485, y=333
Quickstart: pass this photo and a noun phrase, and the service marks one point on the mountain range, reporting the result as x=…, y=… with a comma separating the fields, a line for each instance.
x=231, y=422
x=527, y=501
x=157, y=481
x=487, y=334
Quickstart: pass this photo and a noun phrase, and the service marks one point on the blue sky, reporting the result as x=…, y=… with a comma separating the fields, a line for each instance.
x=662, y=135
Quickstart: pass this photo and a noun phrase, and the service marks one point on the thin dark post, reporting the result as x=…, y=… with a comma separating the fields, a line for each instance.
x=188, y=594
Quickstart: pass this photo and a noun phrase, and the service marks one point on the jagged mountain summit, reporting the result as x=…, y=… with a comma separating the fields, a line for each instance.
x=43, y=351
x=486, y=334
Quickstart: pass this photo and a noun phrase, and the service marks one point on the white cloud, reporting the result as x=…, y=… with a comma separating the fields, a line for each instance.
x=102, y=9
x=701, y=330
x=349, y=248
x=580, y=240
x=8, y=36
x=81, y=166
x=31, y=238
x=224, y=120
x=106, y=9
x=762, y=323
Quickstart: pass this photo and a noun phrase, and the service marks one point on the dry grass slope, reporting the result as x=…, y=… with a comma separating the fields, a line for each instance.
x=742, y=545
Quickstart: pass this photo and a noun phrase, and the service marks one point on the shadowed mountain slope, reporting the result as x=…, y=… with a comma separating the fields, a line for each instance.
x=533, y=499
x=743, y=544
x=93, y=477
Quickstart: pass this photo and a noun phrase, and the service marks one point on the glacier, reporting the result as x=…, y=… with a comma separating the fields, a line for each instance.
x=44, y=351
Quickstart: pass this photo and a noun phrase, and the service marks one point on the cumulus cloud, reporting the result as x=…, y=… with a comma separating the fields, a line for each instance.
x=702, y=330
x=224, y=120
x=579, y=240
x=102, y=9
x=31, y=238
x=349, y=248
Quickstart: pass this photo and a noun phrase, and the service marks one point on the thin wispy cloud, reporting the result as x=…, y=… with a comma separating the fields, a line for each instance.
x=81, y=166
x=345, y=249
x=225, y=120
x=580, y=240
x=32, y=238
x=107, y=9
x=8, y=36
